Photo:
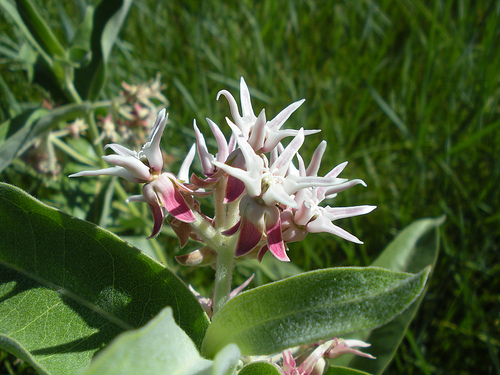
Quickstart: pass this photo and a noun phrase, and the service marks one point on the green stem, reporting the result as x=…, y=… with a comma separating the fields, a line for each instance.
x=223, y=278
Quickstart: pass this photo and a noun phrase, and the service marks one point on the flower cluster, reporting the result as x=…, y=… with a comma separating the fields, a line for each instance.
x=262, y=199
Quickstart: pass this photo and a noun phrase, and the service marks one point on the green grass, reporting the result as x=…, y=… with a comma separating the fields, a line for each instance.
x=406, y=91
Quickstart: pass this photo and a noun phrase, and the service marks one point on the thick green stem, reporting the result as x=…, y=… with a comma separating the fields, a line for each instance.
x=223, y=278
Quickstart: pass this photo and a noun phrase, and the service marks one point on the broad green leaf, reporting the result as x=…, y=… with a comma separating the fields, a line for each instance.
x=261, y=368
x=312, y=306
x=160, y=347
x=68, y=287
x=414, y=248
x=336, y=370
x=109, y=17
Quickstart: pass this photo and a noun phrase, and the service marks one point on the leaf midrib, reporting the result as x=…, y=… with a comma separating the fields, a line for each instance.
x=75, y=297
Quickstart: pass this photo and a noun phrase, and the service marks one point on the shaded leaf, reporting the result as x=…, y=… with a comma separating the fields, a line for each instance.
x=160, y=347
x=108, y=20
x=25, y=128
x=312, y=306
x=67, y=287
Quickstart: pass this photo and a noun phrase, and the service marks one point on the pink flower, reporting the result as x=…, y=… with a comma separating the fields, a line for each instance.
x=308, y=216
x=262, y=135
x=314, y=362
x=267, y=187
x=162, y=191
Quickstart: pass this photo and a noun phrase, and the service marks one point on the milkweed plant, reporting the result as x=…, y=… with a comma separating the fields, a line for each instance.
x=75, y=298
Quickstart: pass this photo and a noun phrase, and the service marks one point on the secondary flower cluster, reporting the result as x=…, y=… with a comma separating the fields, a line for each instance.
x=262, y=199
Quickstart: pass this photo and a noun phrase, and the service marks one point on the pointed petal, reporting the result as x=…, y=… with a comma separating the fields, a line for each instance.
x=257, y=136
x=246, y=104
x=313, y=168
x=152, y=148
x=289, y=363
x=120, y=150
x=307, y=366
x=223, y=150
x=335, y=213
x=112, y=171
x=136, y=198
x=158, y=215
x=233, y=107
x=130, y=163
x=277, y=122
x=237, y=290
x=322, y=224
x=205, y=157
x=274, y=239
x=281, y=164
x=183, y=174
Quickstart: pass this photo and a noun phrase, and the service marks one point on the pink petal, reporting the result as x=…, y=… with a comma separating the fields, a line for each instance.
x=205, y=157
x=158, y=215
x=274, y=239
x=232, y=230
x=172, y=199
x=234, y=189
x=249, y=237
x=223, y=150
x=288, y=361
x=258, y=134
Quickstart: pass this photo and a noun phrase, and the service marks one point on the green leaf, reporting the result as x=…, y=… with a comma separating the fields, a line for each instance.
x=160, y=347
x=109, y=17
x=414, y=248
x=80, y=51
x=312, y=306
x=11, y=10
x=39, y=29
x=25, y=128
x=261, y=368
x=67, y=287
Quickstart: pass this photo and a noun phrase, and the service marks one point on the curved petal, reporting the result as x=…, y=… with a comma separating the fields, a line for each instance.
x=131, y=164
x=322, y=224
x=158, y=215
x=172, y=199
x=275, y=242
x=112, y=171
x=151, y=149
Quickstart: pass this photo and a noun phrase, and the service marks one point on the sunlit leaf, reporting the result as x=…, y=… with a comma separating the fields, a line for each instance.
x=67, y=287
x=414, y=248
x=312, y=306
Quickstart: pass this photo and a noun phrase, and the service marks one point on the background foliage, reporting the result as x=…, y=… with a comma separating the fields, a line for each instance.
x=407, y=91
